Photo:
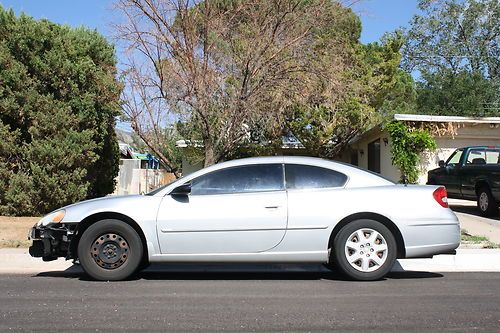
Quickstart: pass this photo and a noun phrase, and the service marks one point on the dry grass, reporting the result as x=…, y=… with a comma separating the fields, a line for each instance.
x=14, y=231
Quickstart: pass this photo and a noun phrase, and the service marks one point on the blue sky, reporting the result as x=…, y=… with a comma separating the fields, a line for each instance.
x=378, y=16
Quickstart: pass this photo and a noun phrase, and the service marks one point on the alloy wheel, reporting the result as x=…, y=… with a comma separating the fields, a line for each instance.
x=366, y=250
x=483, y=201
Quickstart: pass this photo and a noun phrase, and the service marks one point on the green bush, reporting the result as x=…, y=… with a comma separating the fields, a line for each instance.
x=58, y=101
x=407, y=145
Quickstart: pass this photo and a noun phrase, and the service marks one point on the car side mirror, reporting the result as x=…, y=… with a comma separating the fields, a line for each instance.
x=183, y=189
x=441, y=164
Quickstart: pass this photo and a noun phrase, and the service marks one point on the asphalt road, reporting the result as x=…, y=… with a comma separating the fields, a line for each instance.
x=276, y=300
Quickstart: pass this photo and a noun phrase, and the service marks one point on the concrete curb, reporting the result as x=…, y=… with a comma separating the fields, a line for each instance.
x=466, y=260
x=18, y=261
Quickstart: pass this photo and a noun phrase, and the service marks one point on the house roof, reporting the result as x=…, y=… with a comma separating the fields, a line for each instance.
x=447, y=119
x=431, y=119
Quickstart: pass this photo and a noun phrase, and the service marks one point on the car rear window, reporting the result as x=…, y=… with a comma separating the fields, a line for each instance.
x=307, y=176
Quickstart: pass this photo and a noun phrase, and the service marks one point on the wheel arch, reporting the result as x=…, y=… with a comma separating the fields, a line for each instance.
x=480, y=183
x=91, y=219
x=376, y=217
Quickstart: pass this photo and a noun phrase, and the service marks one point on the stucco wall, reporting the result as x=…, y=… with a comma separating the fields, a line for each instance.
x=386, y=168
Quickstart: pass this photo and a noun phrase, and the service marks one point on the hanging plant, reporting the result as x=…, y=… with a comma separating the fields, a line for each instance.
x=408, y=143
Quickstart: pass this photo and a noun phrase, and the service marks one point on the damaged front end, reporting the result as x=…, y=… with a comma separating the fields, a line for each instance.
x=52, y=241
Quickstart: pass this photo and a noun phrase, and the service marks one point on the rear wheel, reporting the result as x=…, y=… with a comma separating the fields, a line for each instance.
x=365, y=250
x=486, y=202
x=110, y=250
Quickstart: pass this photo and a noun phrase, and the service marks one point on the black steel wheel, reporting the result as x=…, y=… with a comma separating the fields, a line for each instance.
x=110, y=250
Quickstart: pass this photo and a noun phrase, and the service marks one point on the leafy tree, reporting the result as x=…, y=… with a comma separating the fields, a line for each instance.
x=231, y=71
x=377, y=88
x=58, y=103
x=463, y=93
x=453, y=46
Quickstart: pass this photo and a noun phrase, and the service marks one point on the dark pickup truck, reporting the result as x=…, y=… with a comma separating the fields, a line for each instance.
x=471, y=173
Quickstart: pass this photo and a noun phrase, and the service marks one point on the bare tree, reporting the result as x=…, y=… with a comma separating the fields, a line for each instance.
x=223, y=67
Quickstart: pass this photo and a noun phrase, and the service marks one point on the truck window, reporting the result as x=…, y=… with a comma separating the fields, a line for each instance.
x=483, y=156
x=492, y=156
x=476, y=156
x=455, y=157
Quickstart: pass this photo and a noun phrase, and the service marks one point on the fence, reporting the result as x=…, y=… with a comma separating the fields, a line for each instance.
x=134, y=180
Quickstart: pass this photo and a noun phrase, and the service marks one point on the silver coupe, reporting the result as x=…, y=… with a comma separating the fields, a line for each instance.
x=256, y=210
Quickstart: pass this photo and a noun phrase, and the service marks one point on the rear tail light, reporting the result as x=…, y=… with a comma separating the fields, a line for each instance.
x=441, y=196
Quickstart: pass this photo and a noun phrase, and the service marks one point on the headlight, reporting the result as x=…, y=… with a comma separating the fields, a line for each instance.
x=54, y=217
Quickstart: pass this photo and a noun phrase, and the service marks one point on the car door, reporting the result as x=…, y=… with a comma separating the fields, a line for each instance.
x=449, y=175
x=471, y=171
x=240, y=209
x=307, y=200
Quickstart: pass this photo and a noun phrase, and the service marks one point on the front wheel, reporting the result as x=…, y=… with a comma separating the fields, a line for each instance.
x=365, y=250
x=486, y=202
x=110, y=250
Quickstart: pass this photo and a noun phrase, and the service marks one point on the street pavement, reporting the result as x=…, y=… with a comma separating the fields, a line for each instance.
x=239, y=300
x=419, y=295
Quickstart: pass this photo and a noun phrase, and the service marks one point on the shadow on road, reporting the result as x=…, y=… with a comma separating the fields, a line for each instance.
x=471, y=210
x=236, y=272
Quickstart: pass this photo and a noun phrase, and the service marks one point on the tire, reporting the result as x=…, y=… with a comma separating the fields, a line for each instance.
x=110, y=250
x=486, y=202
x=368, y=261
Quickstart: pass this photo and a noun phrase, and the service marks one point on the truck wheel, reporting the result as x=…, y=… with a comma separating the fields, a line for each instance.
x=110, y=250
x=365, y=250
x=486, y=202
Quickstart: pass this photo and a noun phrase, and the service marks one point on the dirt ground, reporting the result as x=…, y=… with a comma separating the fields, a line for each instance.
x=14, y=230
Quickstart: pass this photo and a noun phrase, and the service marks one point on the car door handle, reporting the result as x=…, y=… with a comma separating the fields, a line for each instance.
x=272, y=207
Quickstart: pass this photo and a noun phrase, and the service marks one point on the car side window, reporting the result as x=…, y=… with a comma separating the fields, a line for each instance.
x=242, y=179
x=307, y=176
x=455, y=157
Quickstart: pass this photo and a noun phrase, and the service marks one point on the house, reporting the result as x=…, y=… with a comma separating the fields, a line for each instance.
x=290, y=146
x=372, y=149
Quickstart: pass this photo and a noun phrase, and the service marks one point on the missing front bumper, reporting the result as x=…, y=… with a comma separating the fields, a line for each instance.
x=51, y=242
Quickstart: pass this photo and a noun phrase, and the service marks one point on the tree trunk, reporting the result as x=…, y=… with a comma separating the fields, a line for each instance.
x=209, y=153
